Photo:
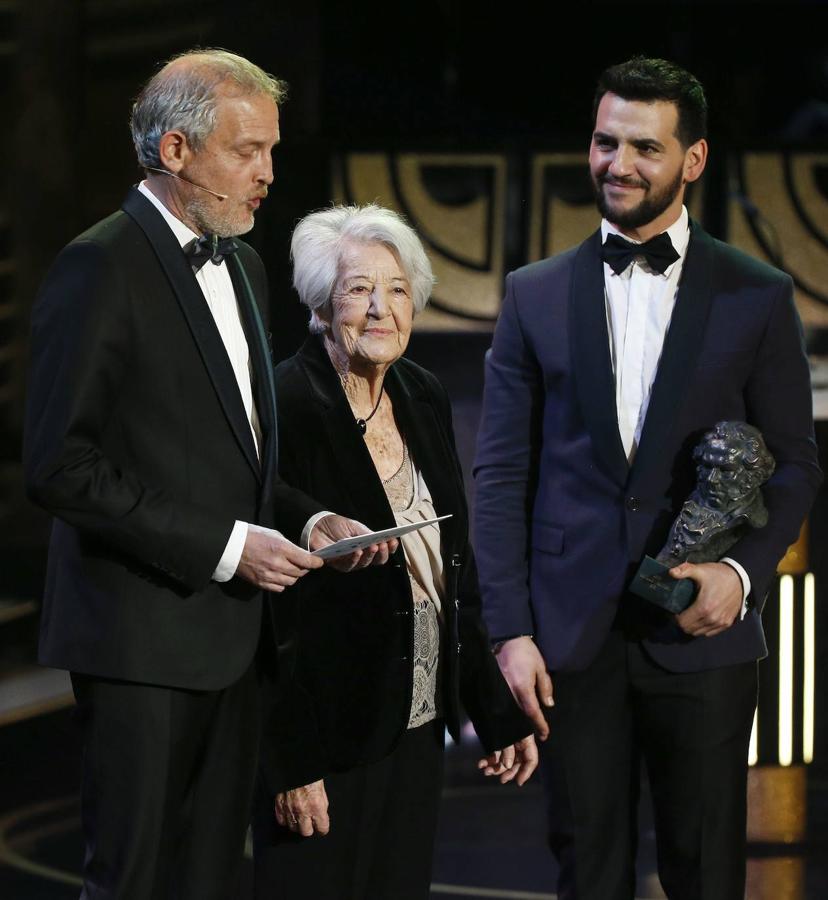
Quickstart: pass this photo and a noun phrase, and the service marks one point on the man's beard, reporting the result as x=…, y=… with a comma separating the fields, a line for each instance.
x=650, y=208
x=211, y=220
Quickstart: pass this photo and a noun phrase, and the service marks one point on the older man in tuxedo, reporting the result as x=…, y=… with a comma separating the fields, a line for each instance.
x=151, y=437
x=609, y=363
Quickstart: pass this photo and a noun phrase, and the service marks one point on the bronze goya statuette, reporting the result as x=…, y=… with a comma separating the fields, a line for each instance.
x=732, y=463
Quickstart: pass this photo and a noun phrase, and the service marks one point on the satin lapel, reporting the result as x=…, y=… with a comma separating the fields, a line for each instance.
x=430, y=449
x=356, y=474
x=681, y=347
x=264, y=386
x=199, y=319
x=591, y=362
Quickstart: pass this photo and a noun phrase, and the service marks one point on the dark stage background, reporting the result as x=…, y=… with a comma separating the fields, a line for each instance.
x=477, y=102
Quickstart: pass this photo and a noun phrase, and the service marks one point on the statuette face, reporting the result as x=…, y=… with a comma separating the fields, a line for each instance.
x=732, y=463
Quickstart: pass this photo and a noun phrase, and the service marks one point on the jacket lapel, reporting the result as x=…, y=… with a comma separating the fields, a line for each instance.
x=198, y=317
x=681, y=347
x=429, y=447
x=264, y=389
x=591, y=362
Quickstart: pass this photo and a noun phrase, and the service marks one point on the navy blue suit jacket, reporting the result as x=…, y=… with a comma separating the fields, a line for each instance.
x=562, y=521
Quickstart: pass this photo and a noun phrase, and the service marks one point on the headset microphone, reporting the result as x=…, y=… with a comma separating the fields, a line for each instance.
x=187, y=181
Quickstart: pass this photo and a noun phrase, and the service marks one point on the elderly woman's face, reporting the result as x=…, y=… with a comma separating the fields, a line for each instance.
x=372, y=307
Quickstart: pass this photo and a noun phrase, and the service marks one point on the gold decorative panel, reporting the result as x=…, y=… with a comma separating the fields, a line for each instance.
x=481, y=214
x=780, y=214
x=456, y=203
x=777, y=804
x=562, y=209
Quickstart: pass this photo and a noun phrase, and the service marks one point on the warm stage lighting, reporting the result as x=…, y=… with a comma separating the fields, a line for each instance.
x=786, y=666
x=753, y=750
x=808, y=691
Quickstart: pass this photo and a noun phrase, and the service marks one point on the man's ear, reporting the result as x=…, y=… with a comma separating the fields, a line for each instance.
x=695, y=159
x=174, y=151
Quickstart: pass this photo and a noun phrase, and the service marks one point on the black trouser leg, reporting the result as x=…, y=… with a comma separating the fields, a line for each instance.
x=695, y=731
x=590, y=772
x=151, y=765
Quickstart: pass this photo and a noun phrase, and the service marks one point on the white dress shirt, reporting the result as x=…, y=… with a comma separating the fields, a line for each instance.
x=639, y=304
x=217, y=288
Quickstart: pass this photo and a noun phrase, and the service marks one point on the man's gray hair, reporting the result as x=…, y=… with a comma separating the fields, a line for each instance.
x=182, y=96
x=318, y=241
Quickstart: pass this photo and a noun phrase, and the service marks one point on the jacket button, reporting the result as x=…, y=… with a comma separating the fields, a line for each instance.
x=633, y=504
x=459, y=647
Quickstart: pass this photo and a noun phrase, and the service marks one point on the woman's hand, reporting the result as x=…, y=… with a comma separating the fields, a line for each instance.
x=516, y=761
x=334, y=528
x=304, y=810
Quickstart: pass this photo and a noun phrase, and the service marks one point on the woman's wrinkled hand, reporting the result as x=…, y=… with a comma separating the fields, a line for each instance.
x=517, y=761
x=333, y=528
x=304, y=810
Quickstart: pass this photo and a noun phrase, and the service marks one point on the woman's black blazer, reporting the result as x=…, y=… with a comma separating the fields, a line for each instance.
x=345, y=640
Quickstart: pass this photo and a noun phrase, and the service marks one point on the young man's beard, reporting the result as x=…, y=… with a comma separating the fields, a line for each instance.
x=650, y=208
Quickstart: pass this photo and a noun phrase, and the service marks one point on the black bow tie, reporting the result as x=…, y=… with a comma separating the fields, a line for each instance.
x=211, y=247
x=658, y=251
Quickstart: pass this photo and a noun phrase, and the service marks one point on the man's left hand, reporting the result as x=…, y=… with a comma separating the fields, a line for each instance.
x=719, y=600
x=516, y=761
x=334, y=528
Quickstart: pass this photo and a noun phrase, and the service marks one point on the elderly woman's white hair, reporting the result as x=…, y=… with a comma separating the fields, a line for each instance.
x=316, y=251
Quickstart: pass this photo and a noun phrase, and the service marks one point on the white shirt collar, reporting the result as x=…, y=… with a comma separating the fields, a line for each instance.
x=183, y=233
x=679, y=233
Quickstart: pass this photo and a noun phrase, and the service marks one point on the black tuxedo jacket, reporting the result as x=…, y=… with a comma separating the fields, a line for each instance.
x=137, y=442
x=562, y=521
x=350, y=635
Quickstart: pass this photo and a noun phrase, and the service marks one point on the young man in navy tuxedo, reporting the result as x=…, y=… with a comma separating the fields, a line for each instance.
x=151, y=438
x=609, y=363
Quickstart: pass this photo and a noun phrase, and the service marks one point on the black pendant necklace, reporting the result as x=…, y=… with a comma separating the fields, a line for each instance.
x=362, y=424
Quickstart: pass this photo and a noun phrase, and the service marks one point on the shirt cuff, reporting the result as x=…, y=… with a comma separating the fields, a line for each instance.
x=744, y=578
x=231, y=557
x=304, y=540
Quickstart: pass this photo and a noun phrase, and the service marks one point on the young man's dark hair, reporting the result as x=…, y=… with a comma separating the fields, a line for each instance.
x=650, y=80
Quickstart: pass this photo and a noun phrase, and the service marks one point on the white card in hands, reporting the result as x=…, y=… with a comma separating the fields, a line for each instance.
x=360, y=541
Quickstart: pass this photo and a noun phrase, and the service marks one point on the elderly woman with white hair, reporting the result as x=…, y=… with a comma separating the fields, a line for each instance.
x=380, y=659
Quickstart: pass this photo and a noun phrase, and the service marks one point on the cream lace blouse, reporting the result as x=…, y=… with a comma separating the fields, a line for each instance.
x=411, y=501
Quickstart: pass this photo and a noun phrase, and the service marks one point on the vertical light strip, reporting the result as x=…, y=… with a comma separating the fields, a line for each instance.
x=786, y=641
x=753, y=749
x=808, y=685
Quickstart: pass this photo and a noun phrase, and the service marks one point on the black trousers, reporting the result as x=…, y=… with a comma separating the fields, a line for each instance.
x=383, y=824
x=167, y=782
x=692, y=731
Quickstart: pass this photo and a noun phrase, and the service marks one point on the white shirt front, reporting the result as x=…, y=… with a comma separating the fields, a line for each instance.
x=639, y=304
x=217, y=288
